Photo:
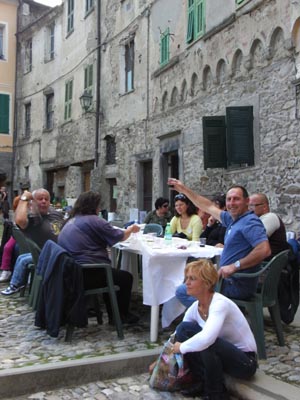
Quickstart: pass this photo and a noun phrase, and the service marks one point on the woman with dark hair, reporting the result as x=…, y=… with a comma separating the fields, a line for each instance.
x=186, y=220
x=86, y=237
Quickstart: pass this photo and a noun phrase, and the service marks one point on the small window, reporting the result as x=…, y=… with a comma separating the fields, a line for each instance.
x=195, y=20
x=110, y=150
x=27, y=119
x=70, y=16
x=68, y=100
x=51, y=41
x=28, y=56
x=4, y=113
x=89, y=5
x=228, y=141
x=49, y=111
x=88, y=79
x=3, y=55
x=129, y=66
x=165, y=47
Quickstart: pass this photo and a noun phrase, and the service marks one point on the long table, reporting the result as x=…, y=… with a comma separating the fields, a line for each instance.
x=163, y=270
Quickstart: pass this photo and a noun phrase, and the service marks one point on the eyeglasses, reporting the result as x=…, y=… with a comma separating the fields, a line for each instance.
x=165, y=205
x=255, y=205
x=180, y=196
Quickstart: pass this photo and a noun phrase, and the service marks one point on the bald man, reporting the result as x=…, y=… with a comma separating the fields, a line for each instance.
x=259, y=204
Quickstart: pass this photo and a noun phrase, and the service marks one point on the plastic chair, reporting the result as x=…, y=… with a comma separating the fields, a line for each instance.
x=266, y=296
x=155, y=228
x=36, y=280
x=111, y=289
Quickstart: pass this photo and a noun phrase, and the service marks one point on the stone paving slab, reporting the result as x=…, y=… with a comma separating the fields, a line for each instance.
x=23, y=345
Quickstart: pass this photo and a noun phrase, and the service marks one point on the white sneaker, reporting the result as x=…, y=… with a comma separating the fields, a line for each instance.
x=5, y=276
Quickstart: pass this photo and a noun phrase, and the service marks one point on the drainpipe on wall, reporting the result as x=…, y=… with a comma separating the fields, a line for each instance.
x=98, y=84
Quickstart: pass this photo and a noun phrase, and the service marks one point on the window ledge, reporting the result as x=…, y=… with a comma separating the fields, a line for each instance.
x=67, y=122
x=69, y=33
x=165, y=67
x=47, y=60
x=46, y=130
x=89, y=12
x=126, y=93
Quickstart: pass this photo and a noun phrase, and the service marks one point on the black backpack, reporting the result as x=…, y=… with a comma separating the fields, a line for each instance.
x=288, y=290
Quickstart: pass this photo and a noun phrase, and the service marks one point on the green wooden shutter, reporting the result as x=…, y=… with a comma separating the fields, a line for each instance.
x=240, y=147
x=199, y=18
x=164, y=47
x=190, y=26
x=4, y=113
x=214, y=142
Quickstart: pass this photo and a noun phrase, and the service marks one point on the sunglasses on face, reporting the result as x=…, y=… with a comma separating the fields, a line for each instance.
x=165, y=205
x=180, y=196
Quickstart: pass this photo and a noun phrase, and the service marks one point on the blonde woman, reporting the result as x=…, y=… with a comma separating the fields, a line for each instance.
x=214, y=335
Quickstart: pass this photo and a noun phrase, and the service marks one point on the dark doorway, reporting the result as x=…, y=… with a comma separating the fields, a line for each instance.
x=147, y=185
x=170, y=169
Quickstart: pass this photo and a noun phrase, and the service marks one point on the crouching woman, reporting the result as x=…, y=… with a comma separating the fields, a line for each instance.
x=214, y=335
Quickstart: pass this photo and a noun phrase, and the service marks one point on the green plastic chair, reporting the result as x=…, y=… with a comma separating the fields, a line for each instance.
x=111, y=289
x=266, y=296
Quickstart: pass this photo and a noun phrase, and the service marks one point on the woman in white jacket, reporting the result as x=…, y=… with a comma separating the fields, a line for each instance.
x=214, y=335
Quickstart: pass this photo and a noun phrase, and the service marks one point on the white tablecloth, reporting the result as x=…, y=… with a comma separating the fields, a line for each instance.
x=163, y=270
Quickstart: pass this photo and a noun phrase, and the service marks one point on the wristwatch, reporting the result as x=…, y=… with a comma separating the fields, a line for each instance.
x=24, y=197
x=237, y=264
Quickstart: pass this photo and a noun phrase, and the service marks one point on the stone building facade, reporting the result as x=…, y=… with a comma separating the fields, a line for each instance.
x=195, y=89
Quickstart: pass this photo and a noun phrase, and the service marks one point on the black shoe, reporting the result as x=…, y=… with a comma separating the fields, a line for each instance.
x=91, y=313
x=196, y=389
x=217, y=396
x=128, y=319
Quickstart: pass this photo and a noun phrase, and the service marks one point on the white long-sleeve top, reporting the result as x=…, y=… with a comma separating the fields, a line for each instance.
x=225, y=320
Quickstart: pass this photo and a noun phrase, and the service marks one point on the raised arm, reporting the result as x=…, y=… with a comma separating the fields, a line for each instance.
x=21, y=218
x=199, y=201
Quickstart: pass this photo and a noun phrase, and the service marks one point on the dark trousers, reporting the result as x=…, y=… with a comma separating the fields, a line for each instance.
x=208, y=365
x=95, y=278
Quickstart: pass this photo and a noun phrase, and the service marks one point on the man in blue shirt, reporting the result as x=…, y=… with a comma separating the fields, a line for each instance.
x=246, y=243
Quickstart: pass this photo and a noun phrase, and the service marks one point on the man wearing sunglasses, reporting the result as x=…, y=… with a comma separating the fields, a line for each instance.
x=161, y=215
x=246, y=243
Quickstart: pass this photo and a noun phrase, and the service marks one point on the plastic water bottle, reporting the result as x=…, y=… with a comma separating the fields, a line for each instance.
x=168, y=235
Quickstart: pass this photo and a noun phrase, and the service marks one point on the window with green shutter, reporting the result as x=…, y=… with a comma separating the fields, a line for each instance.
x=228, y=140
x=68, y=100
x=195, y=20
x=240, y=148
x=165, y=47
x=70, y=16
x=4, y=113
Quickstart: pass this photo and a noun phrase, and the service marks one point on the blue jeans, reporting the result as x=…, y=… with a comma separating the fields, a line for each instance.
x=208, y=365
x=19, y=274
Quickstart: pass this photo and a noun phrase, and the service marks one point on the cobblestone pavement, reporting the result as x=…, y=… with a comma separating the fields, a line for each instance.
x=21, y=344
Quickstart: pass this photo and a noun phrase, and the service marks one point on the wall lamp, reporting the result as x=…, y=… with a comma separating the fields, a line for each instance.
x=86, y=101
